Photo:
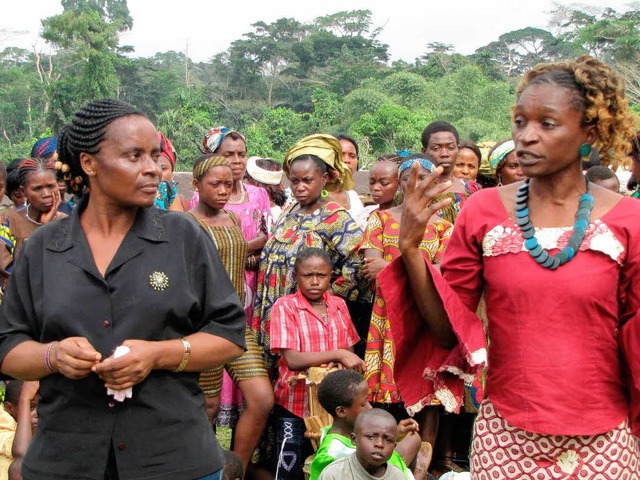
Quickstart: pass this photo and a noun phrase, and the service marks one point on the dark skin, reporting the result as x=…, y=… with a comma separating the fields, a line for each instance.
x=236, y=152
x=374, y=261
x=344, y=419
x=307, y=182
x=215, y=187
x=42, y=195
x=124, y=177
x=313, y=277
x=443, y=148
x=547, y=132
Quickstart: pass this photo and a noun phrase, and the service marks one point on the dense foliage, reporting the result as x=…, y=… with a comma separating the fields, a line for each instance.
x=288, y=79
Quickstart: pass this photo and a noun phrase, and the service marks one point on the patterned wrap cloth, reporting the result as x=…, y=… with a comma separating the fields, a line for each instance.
x=214, y=138
x=382, y=234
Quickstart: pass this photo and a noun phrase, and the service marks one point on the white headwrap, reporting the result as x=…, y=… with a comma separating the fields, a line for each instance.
x=262, y=175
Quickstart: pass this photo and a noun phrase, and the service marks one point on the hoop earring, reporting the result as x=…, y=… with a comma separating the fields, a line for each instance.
x=398, y=198
x=324, y=193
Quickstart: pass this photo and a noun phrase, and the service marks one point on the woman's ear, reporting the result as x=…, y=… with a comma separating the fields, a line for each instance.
x=196, y=185
x=88, y=163
x=591, y=133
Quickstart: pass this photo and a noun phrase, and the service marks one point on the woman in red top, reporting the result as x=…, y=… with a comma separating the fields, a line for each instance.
x=559, y=263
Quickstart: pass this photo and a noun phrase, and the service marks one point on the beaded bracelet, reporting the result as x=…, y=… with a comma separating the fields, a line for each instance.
x=185, y=356
x=47, y=358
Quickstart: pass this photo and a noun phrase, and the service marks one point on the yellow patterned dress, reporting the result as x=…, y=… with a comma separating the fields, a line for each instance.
x=382, y=234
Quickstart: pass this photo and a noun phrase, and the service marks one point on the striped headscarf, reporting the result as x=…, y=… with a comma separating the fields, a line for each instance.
x=206, y=162
x=500, y=153
x=328, y=149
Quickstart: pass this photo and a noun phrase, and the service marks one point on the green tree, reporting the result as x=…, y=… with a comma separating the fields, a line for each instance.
x=87, y=35
x=601, y=32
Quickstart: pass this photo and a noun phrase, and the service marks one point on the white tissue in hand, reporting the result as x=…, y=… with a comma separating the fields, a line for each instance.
x=120, y=395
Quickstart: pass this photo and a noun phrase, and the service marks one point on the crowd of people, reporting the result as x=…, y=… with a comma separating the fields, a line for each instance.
x=477, y=315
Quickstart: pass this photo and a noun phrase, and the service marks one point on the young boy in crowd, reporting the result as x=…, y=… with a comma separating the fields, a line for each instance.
x=605, y=177
x=375, y=436
x=309, y=328
x=343, y=394
x=27, y=419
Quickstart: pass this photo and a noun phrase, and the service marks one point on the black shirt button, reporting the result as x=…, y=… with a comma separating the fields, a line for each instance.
x=122, y=446
x=106, y=324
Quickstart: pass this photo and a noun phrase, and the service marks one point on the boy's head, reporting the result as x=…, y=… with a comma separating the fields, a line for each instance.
x=312, y=272
x=343, y=394
x=605, y=177
x=375, y=436
x=233, y=469
x=11, y=397
x=440, y=140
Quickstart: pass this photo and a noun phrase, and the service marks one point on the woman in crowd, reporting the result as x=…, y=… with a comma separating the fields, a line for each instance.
x=381, y=248
x=502, y=167
x=312, y=221
x=440, y=141
x=118, y=274
x=558, y=260
x=37, y=179
x=251, y=205
x=383, y=186
x=168, y=197
x=213, y=180
x=267, y=173
x=467, y=161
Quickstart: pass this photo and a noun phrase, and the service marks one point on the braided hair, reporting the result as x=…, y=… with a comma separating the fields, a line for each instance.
x=599, y=94
x=84, y=134
x=33, y=165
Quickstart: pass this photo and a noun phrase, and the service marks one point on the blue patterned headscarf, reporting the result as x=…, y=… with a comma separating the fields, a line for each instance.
x=424, y=163
x=44, y=147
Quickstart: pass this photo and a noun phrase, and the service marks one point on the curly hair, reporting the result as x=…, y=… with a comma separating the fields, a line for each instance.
x=599, y=94
x=84, y=133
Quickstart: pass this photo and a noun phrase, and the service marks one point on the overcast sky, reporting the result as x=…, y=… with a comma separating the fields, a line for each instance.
x=208, y=27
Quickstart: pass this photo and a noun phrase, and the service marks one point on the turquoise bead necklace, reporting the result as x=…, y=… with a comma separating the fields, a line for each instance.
x=539, y=254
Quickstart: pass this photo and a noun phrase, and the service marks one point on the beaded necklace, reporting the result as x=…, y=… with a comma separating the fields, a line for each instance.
x=540, y=255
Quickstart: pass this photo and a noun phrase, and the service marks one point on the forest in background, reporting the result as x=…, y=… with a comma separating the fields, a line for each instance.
x=287, y=79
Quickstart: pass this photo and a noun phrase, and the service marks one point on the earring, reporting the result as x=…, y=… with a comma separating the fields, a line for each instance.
x=324, y=193
x=398, y=198
x=585, y=151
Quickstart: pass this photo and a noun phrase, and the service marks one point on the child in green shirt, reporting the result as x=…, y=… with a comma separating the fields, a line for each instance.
x=343, y=394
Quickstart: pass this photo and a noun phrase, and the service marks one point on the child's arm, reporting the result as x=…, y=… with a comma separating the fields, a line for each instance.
x=24, y=430
x=297, y=361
